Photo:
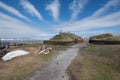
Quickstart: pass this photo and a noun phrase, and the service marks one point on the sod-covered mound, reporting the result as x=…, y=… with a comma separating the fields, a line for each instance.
x=64, y=38
x=105, y=39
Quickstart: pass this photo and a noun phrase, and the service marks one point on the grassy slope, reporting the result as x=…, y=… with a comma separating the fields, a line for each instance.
x=105, y=37
x=18, y=68
x=96, y=62
x=65, y=37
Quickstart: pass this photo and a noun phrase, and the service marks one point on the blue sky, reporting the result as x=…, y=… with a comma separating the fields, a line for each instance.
x=41, y=19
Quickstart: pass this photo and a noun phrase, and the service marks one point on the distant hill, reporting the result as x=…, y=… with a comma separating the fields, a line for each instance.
x=105, y=39
x=65, y=36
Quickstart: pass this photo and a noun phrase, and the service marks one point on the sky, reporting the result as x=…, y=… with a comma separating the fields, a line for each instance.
x=42, y=19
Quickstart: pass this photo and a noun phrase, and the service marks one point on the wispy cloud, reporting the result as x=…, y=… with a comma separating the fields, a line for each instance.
x=12, y=27
x=86, y=34
x=112, y=4
x=12, y=10
x=110, y=20
x=54, y=9
x=94, y=21
x=30, y=9
x=76, y=7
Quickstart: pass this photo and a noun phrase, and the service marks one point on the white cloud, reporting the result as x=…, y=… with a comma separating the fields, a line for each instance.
x=12, y=10
x=110, y=20
x=86, y=34
x=76, y=7
x=54, y=9
x=112, y=4
x=30, y=9
x=93, y=21
x=11, y=27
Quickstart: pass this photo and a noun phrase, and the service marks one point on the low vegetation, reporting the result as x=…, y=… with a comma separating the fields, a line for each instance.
x=101, y=37
x=96, y=62
x=20, y=67
x=105, y=39
x=64, y=36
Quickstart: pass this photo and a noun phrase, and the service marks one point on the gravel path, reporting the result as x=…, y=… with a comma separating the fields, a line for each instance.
x=56, y=69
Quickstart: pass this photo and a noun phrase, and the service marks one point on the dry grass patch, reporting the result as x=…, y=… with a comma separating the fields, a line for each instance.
x=96, y=62
x=20, y=67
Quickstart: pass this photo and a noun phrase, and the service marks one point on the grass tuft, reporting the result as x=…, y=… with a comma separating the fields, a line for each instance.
x=96, y=62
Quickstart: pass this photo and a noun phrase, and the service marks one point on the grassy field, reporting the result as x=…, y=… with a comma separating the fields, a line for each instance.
x=18, y=68
x=65, y=36
x=96, y=62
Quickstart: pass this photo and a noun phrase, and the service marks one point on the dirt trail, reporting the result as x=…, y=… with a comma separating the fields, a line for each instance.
x=56, y=69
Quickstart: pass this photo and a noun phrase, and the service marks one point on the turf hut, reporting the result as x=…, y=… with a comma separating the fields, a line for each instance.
x=64, y=38
x=105, y=39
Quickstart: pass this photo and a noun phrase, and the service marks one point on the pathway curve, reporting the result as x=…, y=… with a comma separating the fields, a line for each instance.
x=56, y=69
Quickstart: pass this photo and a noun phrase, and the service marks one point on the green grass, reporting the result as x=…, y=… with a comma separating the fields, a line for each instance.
x=65, y=36
x=19, y=68
x=58, y=47
x=54, y=52
x=48, y=57
x=35, y=45
x=96, y=62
